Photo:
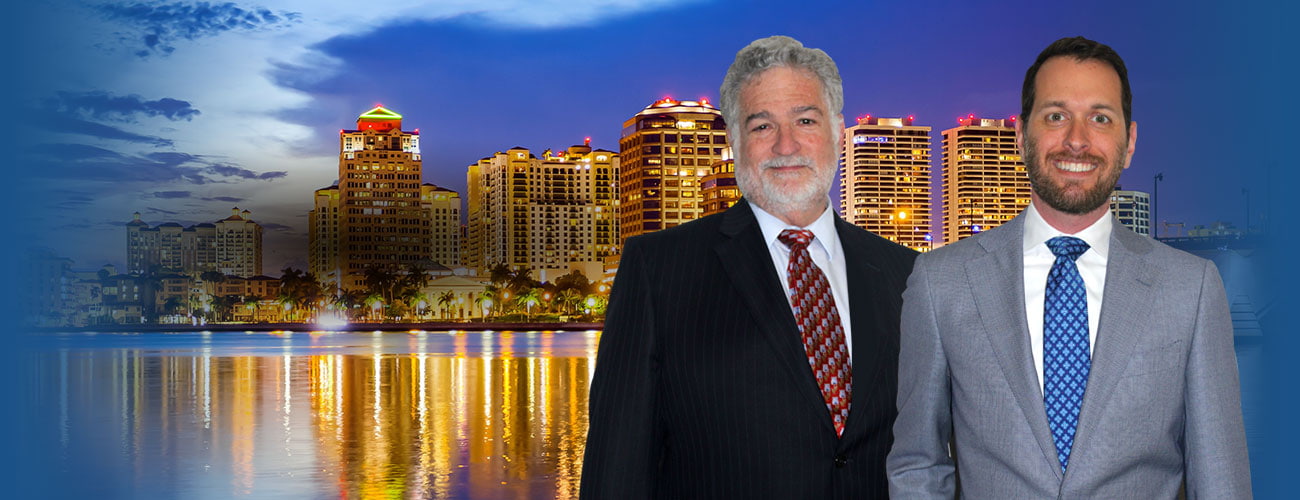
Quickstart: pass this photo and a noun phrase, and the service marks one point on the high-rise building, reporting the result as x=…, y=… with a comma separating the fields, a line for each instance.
x=984, y=179
x=718, y=189
x=239, y=245
x=442, y=207
x=666, y=150
x=885, y=182
x=1132, y=209
x=380, y=220
x=231, y=246
x=323, y=235
x=550, y=215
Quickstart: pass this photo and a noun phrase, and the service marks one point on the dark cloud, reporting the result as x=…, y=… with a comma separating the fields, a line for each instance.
x=82, y=113
x=160, y=25
x=66, y=123
x=233, y=171
x=91, y=163
x=229, y=199
x=155, y=210
x=105, y=106
x=171, y=194
x=276, y=227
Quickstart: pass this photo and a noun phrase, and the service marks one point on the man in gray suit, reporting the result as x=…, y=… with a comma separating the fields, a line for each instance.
x=1062, y=355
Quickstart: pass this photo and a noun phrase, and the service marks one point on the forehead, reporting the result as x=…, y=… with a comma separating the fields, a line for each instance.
x=1069, y=80
x=780, y=87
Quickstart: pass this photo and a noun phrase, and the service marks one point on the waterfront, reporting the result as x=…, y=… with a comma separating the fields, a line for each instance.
x=491, y=415
x=300, y=415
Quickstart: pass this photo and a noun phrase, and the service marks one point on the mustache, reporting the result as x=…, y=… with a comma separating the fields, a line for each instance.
x=1076, y=158
x=786, y=161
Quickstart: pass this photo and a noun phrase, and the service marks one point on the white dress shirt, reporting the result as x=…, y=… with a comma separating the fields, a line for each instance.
x=826, y=254
x=1038, y=264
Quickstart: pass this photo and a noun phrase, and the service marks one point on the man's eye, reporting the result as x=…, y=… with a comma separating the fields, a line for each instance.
x=762, y=127
x=1103, y=119
x=806, y=121
x=1055, y=117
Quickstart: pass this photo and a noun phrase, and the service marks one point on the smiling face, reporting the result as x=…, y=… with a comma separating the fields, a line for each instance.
x=786, y=154
x=1074, y=141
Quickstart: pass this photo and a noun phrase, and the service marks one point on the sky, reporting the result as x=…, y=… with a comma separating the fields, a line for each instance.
x=183, y=110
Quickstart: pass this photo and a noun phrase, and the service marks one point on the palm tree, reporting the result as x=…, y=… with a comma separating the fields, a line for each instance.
x=444, y=299
x=374, y=301
x=350, y=302
x=528, y=299
x=567, y=299
x=490, y=297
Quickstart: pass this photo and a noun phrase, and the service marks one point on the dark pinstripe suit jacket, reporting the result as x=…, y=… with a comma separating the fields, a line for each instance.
x=702, y=388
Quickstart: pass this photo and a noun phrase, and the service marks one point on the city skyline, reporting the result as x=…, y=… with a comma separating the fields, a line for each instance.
x=173, y=113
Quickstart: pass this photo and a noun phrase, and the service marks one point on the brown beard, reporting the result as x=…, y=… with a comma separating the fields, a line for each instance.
x=1059, y=197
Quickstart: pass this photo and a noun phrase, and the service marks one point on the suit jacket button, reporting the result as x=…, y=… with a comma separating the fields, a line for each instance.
x=840, y=461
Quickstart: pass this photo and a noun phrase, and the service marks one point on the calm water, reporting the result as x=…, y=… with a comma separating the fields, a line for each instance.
x=339, y=415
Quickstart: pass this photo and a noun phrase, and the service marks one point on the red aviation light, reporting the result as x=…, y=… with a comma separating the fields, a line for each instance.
x=586, y=141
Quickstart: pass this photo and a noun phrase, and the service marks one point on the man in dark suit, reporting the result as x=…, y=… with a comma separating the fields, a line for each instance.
x=753, y=353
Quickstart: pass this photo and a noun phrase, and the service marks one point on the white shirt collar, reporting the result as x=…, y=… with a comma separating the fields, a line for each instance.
x=1038, y=231
x=823, y=229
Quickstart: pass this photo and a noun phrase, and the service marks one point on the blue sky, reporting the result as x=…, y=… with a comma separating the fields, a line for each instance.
x=182, y=110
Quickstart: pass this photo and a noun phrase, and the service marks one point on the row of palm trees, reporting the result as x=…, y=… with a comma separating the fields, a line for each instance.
x=400, y=294
x=391, y=294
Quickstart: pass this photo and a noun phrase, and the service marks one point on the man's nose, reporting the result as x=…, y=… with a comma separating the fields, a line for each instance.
x=785, y=143
x=1076, y=137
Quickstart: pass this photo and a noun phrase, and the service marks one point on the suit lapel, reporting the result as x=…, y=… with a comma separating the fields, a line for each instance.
x=748, y=263
x=866, y=309
x=1126, y=301
x=998, y=285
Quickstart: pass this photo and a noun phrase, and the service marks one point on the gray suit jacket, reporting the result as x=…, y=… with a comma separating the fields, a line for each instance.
x=1163, y=404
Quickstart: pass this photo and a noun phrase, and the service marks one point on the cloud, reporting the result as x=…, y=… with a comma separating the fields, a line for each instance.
x=171, y=194
x=233, y=171
x=158, y=26
x=64, y=123
x=229, y=199
x=156, y=210
x=105, y=106
x=276, y=227
x=91, y=163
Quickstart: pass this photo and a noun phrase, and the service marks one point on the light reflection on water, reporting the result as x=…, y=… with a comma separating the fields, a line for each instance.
x=492, y=415
x=356, y=415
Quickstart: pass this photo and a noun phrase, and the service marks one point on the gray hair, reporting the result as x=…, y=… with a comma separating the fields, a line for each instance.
x=766, y=53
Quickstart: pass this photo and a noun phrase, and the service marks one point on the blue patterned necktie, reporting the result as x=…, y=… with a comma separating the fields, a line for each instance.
x=1065, y=344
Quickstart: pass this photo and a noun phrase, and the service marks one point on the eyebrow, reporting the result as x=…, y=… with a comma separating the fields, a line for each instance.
x=1061, y=104
x=798, y=110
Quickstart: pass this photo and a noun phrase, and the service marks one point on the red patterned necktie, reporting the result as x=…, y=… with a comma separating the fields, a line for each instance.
x=819, y=324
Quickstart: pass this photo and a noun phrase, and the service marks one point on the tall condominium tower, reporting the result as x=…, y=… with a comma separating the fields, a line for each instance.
x=380, y=219
x=718, y=189
x=239, y=245
x=885, y=182
x=984, y=178
x=231, y=246
x=666, y=150
x=1132, y=209
x=550, y=215
x=443, y=208
x=323, y=235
